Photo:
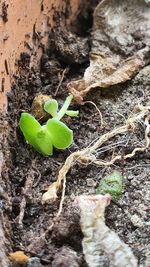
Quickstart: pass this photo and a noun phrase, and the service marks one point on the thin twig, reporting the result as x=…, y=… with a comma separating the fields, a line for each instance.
x=61, y=80
x=62, y=197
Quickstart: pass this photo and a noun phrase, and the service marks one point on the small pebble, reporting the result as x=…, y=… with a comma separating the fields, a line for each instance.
x=136, y=220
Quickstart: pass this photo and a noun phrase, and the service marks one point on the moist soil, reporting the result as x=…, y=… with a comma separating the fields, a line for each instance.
x=62, y=244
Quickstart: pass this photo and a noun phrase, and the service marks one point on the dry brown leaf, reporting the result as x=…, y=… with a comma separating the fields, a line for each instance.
x=120, y=45
x=18, y=257
x=101, y=245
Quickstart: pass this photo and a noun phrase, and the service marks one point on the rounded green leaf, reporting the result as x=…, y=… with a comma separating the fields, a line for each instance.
x=61, y=135
x=43, y=142
x=29, y=127
x=51, y=107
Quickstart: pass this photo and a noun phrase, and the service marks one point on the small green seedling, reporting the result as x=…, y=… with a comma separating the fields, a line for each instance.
x=52, y=134
x=111, y=184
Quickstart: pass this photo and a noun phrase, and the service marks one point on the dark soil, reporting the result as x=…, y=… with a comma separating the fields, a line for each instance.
x=62, y=244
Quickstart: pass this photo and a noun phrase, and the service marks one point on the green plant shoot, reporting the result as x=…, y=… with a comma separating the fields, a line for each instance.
x=111, y=184
x=53, y=133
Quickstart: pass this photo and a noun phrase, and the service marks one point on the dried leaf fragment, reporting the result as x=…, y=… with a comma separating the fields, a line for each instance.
x=101, y=246
x=125, y=72
x=120, y=45
x=18, y=257
x=51, y=194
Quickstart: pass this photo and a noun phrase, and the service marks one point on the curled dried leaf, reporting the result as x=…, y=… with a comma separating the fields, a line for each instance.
x=76, y=88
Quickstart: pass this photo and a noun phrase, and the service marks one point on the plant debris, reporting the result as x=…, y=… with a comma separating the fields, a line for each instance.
x=37, y=108
x=101, y=246
x=88, y=153
x=111, y=184
x=18, y=257
x=120, y=45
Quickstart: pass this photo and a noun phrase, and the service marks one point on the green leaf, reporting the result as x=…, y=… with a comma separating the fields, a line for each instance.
x=29, y=126
x=43, y=142
x=72, y=113
x=51, y=107
x=61, y=135
x=111, y=184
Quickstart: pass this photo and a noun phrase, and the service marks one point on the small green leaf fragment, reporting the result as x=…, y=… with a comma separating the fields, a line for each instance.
x=43, y=142
x=29, y=126
x=51, y=107
x=60, y=134
x=72, y=113
x=111, y=184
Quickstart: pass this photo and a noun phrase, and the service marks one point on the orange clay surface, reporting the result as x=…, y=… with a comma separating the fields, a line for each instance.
x=16, y=34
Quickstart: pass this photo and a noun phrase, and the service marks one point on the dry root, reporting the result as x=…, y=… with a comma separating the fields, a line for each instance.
x=87, y=154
